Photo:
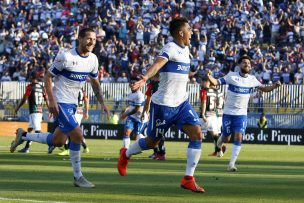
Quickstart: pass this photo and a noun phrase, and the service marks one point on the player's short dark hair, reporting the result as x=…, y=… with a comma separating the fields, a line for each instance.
x=33, y=75
x=176, y=24
x=83, y=32
x=243, y=57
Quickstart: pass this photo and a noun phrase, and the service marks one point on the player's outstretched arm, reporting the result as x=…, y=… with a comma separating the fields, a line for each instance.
x=270, y=87
x=212, y=79
x=48, y=82
x=146, y=107
x=98, y=93
x=21, y=103
x=154, y=68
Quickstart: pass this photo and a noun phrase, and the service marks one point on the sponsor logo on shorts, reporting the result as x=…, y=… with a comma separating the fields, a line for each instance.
x=158, y=122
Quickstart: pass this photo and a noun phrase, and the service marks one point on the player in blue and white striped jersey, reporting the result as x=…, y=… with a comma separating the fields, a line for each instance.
x=70, y=70
x=134, y=124
x=240, y=85
x=170, y=103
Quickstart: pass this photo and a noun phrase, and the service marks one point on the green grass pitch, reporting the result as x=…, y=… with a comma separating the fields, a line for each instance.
x=267, y=173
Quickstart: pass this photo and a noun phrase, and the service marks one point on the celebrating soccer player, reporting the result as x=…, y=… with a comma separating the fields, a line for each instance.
x=170, y=103
x=70, y=70
x=240, y=86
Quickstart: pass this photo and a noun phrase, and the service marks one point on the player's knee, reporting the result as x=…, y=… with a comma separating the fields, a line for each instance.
x=58, y=142
x=151, y=144
x=197, y=134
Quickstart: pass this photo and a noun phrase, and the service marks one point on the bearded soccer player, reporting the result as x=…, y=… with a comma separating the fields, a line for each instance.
x=69, y=70
x=240, y=86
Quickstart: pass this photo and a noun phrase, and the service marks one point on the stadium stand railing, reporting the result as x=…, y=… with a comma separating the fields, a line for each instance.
x=285, y=99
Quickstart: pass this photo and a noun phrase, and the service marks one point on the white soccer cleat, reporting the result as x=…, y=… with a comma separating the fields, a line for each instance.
x=83, y=182
x=232, y=168
x=18, y=140
x=220, y=154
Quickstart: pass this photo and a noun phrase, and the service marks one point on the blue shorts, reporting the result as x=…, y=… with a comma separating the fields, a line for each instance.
x=136, y=126
x=163, y=117
x=66, y=120
x=234, y=123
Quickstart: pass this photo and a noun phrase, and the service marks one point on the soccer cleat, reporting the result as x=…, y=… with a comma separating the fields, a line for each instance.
x=213, y=154
x=51, y=149
x=232, y=168
x=83, y=182
x=188, y=183
x=224, y=148
x=18, y=140
x=24, y=150
x=160, y=157
x=122, y=162
x=64, y=153
x=86, y=150
x=152, y=156
x=220, y=154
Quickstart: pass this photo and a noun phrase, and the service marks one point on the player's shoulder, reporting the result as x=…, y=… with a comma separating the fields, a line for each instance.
x=92, y=55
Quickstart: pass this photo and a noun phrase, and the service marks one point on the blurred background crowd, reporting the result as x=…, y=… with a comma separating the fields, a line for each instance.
x=130, y=34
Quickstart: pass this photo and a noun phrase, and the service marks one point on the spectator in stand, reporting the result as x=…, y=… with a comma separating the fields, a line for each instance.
x=123, y=78
x=286, y=75
x=276, y=75
x=298, y=77
x=40, y=29
x=6, y=77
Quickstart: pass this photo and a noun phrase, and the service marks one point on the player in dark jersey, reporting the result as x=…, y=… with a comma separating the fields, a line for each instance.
x=160, y=150
x=82, y=111
x=209, y=117
x=34, y=94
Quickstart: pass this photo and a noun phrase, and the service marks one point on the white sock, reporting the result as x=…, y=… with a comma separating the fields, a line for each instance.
x=134, y=149
x=76, y=163
x=36, y=137
x=234, y=154
x=193, y=156
x=139, y=136
x=126, y=142
x=220, y=142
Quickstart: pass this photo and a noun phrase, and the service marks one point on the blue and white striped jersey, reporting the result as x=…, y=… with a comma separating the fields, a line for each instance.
x=136, y=99
x=70, y=71
x=173, y=76
x=238, y=94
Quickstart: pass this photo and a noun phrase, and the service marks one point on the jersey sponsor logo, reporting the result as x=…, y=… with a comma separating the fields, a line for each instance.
x=183, y=68
x=241, y=90
x=78, y=76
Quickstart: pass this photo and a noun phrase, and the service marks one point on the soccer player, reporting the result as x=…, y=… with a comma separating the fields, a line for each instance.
x=34, y=94
x=160, y=150
x=170, y=103
x=133, y=112
x=70, y=70
x=209, y=103
x=220, y=100
x=82, y=111
x=240, y=86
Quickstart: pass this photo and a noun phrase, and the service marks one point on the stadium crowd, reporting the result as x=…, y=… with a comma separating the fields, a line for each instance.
x=129, y=33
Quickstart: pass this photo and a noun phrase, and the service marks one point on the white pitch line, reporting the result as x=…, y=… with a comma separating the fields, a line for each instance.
x=28, y=200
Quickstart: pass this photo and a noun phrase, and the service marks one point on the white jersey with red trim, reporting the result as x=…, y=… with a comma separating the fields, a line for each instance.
x=70, y=71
